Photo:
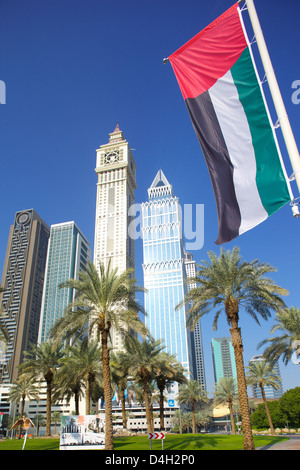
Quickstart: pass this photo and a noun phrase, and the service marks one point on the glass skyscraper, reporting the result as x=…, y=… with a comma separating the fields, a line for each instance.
x=164, y=272
x=190, y=267
x=270, y=392
x=223, y=358
x=68, y=253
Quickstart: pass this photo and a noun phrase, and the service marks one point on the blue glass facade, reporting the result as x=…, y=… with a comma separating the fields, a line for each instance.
x=164, y=271
x=68, y=252
x=270, y=392
x=223, y=358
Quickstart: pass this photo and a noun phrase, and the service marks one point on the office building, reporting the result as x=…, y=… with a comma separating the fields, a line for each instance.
x=68, y=253
x=190, y=267
x=223, y=358
x=116, y=171
x=270, y=392
x=22, y=280
x=164, y=272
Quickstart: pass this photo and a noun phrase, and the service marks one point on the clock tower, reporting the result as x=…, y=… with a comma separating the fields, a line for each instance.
x=116, y=172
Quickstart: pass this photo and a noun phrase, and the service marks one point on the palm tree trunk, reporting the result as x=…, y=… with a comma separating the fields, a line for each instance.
x=87, y=397
x=193, y=417
x=21, y=414
x=76, y=399
x=267, y=409
x=161, y=409
x=147, y=406
x=151, y=414
x=231, y=417
x=237, y=344
x=48, y=407
x=124, y=420
x=109, y=444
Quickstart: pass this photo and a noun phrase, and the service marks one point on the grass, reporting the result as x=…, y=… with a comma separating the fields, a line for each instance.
x=31, y=444
x=191, y=442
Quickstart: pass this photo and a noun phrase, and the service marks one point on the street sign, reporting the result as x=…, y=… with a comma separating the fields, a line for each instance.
x=171, y=403
x=156, y=435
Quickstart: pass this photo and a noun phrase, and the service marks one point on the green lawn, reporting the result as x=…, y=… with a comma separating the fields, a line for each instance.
x=172, y=442
x=192, y=442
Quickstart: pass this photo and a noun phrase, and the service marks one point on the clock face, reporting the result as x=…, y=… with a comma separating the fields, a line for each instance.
x=111, y=157
x=23, y=218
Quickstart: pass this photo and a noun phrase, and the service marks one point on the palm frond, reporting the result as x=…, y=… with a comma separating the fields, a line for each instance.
x=227, y=278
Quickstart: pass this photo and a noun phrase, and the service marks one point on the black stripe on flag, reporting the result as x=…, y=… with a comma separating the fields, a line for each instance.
x=220, y=168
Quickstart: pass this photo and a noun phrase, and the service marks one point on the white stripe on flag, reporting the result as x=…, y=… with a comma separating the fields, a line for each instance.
x=236, y=132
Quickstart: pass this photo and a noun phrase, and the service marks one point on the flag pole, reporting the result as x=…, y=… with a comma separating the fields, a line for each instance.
x=275, y=92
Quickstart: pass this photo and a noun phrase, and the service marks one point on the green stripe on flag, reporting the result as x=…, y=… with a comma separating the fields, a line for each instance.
x=270, y=178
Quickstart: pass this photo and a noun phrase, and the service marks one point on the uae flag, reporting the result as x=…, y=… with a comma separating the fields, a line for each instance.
x=220, y=85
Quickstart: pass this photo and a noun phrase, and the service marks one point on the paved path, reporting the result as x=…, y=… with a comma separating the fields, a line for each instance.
x=292, y=444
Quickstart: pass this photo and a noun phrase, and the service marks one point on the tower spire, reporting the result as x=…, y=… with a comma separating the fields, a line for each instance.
x=116, y=135
x=160, y=186
x=117, y=129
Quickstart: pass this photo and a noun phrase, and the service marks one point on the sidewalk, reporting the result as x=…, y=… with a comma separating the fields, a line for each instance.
x=292, y=444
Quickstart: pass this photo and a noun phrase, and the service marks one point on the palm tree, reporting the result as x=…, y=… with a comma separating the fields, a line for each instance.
x=261, y=374
x=177, y=419
x=229, y=282
x=187, y=421
x=119, y=367
x=237, y=409
x=23, y=388
x=202, y=418
x=287, y=321
x=226, y=392
x=41, y=364
x=153, y=394
x=103, y=301
x=82, y=362
x=143, y=364
x=192, y=393
x=68, y=383
x=138, y=393
x=56, y=417
x=169, y=371
x=39, y=420
x=97, y=391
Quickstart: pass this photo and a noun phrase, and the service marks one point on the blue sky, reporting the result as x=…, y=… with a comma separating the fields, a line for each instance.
x=73, y=68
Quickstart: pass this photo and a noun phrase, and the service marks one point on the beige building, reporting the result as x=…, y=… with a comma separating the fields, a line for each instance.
x=136, y=415
x=116, y=171
x=22, y=281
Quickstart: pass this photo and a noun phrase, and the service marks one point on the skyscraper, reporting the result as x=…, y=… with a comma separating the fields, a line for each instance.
x=23, y=278
x=223, y=358
x=116, y=172
x=164, y=271
x=190, y=267
x=270, y=392
x=68, y=253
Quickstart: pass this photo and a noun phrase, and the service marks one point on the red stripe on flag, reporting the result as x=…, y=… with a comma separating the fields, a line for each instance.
x=200, y=62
